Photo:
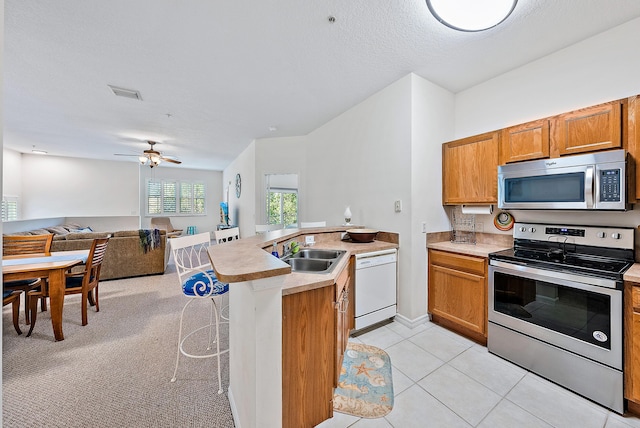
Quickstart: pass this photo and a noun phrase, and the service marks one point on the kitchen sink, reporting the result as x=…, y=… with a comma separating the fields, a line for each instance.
x=317, y=254
x=313, y=260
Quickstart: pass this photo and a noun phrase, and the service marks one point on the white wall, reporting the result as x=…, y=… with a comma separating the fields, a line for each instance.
x=11, y=174
x=362, y=159
x=213, y=187
x=55, y=186
x=242, y=211
x=279, y=156
x=431, y=125
x=600, y=69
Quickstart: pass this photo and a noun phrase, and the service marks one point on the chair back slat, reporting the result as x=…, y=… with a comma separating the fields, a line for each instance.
x=190, y=254
x=13, y=245
x=95, y=258
x=226, y=235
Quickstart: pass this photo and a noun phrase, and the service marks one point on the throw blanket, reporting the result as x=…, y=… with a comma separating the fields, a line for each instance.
x=149, y=239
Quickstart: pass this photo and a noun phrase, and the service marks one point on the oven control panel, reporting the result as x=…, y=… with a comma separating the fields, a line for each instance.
x=597, y=236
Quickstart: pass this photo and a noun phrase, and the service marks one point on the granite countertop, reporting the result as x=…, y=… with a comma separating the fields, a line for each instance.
x=633, y=273
x=478, y=249
x=250, y=258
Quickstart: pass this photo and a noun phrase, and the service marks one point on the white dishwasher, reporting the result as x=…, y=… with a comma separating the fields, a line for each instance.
x=375, y=287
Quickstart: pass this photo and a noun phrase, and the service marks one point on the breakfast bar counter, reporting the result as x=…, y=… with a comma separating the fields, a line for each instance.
x=257, y=283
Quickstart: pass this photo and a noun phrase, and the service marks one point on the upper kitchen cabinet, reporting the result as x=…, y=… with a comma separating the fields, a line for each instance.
x=525, y=142
x=633, y=137
x=470, y=170
x=586, y=130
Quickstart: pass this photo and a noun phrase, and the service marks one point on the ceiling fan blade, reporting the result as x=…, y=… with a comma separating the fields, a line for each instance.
x=171, y=160
x=125, y=154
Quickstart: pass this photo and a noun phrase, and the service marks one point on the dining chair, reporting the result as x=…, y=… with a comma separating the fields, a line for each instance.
x=261, y=228
x=84, y=282
x=13, y=297
x=199, y=283
x=305, y=225
x=226, y=235
x=15, y=245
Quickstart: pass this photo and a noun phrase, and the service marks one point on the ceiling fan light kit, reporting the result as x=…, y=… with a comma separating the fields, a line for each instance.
x=471, y=15
x=151, y=156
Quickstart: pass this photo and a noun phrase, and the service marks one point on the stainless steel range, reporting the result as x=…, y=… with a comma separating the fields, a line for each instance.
x=555, y=306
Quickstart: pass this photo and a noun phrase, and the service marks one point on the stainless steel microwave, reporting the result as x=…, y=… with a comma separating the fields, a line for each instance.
x=594, y=181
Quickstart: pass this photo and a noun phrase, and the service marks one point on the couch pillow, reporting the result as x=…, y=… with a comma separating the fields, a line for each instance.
x=39, y=232
x=57, y=230
x=87, y=235
x=72, y=226
x=60, y=237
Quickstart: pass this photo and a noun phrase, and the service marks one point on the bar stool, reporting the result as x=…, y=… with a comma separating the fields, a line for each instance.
x=198, y=281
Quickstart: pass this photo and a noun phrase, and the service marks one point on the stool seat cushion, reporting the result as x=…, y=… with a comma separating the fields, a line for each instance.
x=199, y=285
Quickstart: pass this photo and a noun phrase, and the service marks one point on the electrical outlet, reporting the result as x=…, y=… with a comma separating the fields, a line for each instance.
x=398, y=206
x=309, y=240
x=424, y=227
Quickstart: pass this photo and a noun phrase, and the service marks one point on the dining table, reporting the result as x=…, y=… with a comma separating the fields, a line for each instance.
x=51, y=266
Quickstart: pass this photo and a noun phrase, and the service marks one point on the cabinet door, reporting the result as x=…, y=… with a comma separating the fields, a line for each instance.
x=590, y=129
x=470, y=170
x=342, y=319
x=632, y=341
x=458, y=297
x=633, y=140
x=525, y=142
x=308, y=357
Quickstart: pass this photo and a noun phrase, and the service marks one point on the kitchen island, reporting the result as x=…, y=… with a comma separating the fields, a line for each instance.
x=258, y=284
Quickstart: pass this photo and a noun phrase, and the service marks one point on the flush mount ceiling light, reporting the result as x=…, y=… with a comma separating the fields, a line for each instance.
x=471, y=15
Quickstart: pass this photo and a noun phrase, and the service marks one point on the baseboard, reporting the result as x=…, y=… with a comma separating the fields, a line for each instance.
x=234, y=409
x=411, y=323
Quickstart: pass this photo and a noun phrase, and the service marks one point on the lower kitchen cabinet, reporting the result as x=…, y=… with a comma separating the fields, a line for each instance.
x=632, y=345
x=315, y=330
x=458, y=293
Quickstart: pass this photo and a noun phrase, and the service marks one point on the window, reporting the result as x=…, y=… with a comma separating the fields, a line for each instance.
x=282, y=206
x=175, y=197
x=9, y=208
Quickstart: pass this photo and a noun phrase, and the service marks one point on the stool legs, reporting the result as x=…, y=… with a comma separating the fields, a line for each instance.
x=214, y=337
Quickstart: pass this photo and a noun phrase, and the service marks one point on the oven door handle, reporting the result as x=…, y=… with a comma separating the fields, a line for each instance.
x=588, y=283
x=588, y=186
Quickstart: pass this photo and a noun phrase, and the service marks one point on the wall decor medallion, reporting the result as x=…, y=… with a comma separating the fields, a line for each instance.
x=238, y=185
x=503, y=221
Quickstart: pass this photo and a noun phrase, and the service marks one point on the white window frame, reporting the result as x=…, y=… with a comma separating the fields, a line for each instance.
x=182, y=207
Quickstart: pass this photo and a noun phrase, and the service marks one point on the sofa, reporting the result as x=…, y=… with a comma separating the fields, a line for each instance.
x=125, y=256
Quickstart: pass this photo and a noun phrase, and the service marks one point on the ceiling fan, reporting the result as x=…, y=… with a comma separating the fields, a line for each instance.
x=151, y=156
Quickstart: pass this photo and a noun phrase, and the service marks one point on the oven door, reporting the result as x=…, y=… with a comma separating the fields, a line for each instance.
x=576, y=316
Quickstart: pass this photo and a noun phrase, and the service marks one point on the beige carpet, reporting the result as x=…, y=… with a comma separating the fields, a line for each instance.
x=115, y=371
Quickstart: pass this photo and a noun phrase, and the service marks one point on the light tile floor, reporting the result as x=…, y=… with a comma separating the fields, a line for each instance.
x=441, y=379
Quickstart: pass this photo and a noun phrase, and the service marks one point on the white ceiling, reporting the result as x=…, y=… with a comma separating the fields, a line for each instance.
x=227, y=71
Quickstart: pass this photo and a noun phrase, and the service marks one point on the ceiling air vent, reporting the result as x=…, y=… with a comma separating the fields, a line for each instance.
x=127, y=93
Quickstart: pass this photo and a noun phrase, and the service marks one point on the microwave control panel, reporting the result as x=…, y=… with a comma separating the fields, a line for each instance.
x=610, y=185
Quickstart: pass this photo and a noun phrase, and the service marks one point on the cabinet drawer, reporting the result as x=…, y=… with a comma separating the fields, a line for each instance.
x=461, y=262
